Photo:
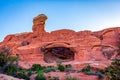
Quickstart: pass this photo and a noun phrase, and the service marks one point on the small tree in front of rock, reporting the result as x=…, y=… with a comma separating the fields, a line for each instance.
x=7, y=62
x=113, y=71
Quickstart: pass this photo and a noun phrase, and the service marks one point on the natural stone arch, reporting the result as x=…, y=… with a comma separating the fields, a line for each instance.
x=58, y=52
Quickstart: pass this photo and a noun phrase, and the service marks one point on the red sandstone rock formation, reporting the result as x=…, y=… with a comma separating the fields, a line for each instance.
x=38, y=24
x=6, y=77
x=94, y=48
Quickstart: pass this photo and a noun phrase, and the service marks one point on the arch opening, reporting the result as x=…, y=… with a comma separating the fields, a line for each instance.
x=62, y=54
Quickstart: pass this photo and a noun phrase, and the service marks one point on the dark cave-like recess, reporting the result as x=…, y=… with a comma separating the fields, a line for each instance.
x=62, y=54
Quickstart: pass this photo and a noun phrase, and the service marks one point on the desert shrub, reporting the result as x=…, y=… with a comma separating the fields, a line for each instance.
x=50, y=66
x=43, y=68
x=4, y=55
x=3, y=60
x=7, y=65
x=12, y=58
x=116, y=63
x=71, y=78
x=40, y=76
x=86, y=69
x=61, y=68
x=30, y=72
x=113, y=71
x=11, y=70
x=23, y=74
x=36, y=67
x=68, y=66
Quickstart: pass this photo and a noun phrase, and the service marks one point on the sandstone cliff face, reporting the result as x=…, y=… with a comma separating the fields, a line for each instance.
x=94, y=48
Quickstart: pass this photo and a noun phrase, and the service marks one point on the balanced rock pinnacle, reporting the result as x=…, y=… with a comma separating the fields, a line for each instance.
x=39, y=24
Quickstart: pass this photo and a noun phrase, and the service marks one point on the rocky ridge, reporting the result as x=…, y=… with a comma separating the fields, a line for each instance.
x=94, y=48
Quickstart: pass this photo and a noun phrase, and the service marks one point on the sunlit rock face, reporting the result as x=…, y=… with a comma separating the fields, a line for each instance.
x=39, y=24
x=67, y=46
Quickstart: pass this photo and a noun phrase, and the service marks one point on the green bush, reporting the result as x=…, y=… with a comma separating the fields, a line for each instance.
x=50, y=66
x=68, y=66
x=36, y=67
x=23, y=74
x=61, y=68
x=30, y=72
x=43, y=68
x=40, y=76
x=86, y=69
x=7, y=64
x=3, y=60
x=4, y=54
x=113, y=71
x=11, y=70
x=13, y=58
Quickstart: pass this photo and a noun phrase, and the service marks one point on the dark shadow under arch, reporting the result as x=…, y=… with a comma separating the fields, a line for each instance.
x=62, y=54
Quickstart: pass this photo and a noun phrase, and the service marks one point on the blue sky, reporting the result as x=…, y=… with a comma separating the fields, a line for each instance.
x=16, y=15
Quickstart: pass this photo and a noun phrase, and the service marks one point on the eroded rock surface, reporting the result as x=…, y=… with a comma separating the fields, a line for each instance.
x=6, y=77
x=94, y=48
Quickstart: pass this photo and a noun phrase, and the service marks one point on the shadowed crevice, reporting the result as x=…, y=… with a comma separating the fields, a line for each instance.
x=62, y=54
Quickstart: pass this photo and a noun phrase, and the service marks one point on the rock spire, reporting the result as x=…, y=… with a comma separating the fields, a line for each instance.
x=39, y=24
